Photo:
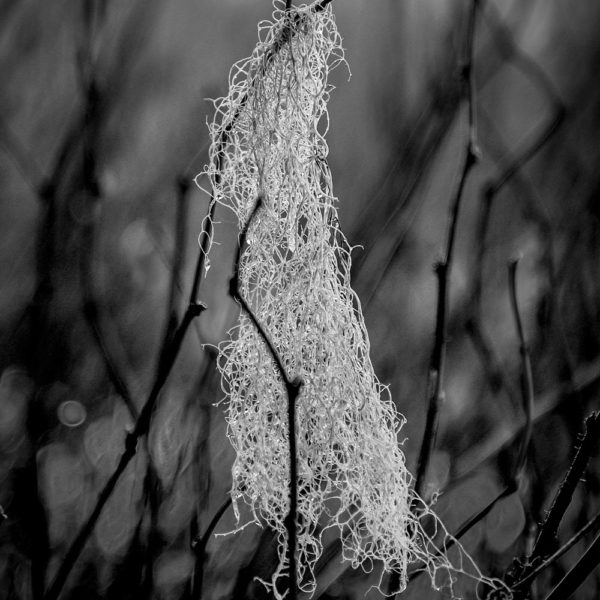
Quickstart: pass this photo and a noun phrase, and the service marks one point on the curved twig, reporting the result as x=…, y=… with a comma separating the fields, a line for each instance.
x=591, y=525
x=292, y=387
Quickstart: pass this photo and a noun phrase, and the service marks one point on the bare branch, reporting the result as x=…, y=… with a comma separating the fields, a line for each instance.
x=527, y=377
x=578, y=573
x=590, y=526
x=292, y=387
x=435, y=386
x=549, y=529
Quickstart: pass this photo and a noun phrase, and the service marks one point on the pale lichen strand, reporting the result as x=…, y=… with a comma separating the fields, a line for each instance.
x=268, y=140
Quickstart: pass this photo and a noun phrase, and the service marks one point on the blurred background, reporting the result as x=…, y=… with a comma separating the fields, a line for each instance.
x=103, y=116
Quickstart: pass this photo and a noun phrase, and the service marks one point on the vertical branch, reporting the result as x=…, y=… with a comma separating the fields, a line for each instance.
x=172, y=317
x=435, y=381
x=92, y=196
x=292, y=387
x=202, y=476
x=435, y=384
x=181, y=217
x=513, y=482
x=526, y=376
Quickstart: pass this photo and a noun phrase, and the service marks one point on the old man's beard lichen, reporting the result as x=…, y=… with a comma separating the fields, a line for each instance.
x=294, y=273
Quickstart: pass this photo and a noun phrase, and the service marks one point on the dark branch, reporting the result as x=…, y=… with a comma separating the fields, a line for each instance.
x=526, y=374
x=435, y=386
x=590, y=526
x=292, y=387
x=199, y=549
x=578, y=573
x=589, y=441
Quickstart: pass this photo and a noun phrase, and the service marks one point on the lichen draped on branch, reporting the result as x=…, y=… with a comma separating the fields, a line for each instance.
x=294, y=273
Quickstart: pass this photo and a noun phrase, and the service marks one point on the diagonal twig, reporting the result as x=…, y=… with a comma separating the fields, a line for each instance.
x=578, y=573
x=141, y=429
x=199, y=548
x=591, y=525
x=549, y=529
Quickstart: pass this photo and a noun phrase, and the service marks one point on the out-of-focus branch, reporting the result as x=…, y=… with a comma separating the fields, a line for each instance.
x=142, y=426
x=476, y=457
x=511, y=52
x=509, y=168
x=509, y=489
x=92, y=195
x=23, y=160
x=514, y=54
x=513, y=483
x=141, y=429
x=199, y=549
x=419, y=159
x=435, y=382
x=491, y=364
x=526, y=372
x=177, y=264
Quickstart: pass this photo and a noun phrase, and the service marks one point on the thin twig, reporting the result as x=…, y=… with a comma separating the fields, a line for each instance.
x=199, y=549
x=177, y=263
x=509, y=489
x=91, y=313
x=195, y=307
x=549, y=529
x=591, y=525
x=23, y=160
x=435, y=383
x=547, y=540
x=202, y=475
x=91, y=188
x=140, y=429
x=514, y=481
x=421, y=159
x=491, y=364
x=292, y=387
x=435, y=387
x=527, y=376
x=513, y=53
x=578, y=573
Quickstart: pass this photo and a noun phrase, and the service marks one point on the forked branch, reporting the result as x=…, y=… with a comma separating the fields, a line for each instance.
x=292, y=387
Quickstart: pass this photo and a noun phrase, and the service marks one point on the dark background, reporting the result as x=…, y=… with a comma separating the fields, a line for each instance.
x=102, y=129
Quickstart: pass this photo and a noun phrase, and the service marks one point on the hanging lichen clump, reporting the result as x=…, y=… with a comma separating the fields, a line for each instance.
x=268, y=141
